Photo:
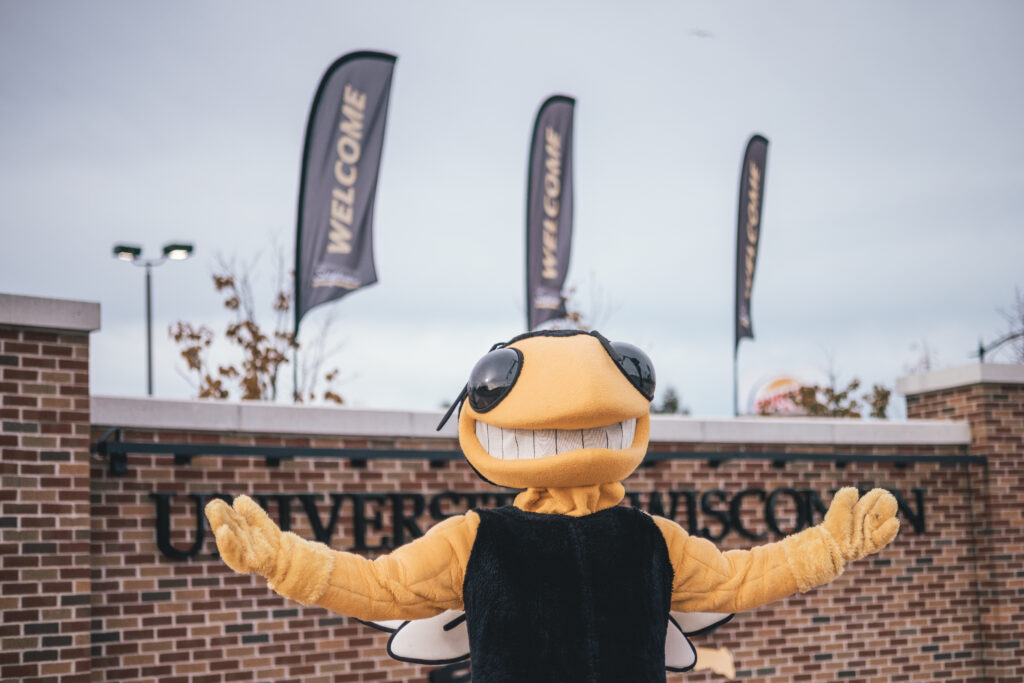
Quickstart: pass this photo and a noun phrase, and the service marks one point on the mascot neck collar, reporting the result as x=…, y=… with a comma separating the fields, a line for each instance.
x=575, y=501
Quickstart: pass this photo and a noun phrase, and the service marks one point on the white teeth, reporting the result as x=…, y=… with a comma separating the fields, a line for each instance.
x=525, y=444
x=568, y=440
x=481, y=436
x=596, y=438
x=629, y=429
x=543, y=443
x=509, y=444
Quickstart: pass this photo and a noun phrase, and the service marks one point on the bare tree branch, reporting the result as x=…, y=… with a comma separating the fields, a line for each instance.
x=1013, y=315
x=263, y=351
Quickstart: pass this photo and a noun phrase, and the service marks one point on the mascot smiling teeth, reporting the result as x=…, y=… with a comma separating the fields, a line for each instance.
x=565, y=585
x=526, y=444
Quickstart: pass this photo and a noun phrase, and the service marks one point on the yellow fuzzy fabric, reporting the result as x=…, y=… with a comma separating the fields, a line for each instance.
x=303, y=570
x=566, y=382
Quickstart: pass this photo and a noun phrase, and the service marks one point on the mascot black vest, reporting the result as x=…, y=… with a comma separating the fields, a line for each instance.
x=567, y=599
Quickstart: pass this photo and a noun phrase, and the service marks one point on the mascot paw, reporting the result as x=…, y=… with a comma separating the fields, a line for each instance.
x=862, y=527
x=247, y=539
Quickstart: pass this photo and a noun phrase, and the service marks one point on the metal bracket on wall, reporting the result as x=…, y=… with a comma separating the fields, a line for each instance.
x=276, y=460
x=269, y=461
x=117, y=462
x=839, y=460
x=111, y=446
x=116, y=451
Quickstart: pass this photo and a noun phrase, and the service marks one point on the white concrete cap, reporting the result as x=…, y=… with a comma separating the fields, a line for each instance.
x=49, y=314
x=808, y=430
x=962, y=376
x=265, y=417
x=257, y=417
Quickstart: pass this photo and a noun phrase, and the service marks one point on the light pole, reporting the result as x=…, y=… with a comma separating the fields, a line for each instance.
x=1009, y=337
x=133, y=254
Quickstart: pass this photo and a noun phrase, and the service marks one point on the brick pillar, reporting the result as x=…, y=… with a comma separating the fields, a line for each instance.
x=991, y=398
x=44, y=499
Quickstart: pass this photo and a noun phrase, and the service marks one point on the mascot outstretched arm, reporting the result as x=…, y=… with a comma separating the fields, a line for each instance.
x=566, y=584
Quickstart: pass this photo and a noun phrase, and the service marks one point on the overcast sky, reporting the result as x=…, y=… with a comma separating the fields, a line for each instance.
x=892, y=198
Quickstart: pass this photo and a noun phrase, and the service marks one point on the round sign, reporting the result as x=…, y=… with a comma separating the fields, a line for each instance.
x=772, y=397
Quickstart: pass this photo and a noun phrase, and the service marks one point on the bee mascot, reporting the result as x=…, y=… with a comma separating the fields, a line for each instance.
x=565, y=585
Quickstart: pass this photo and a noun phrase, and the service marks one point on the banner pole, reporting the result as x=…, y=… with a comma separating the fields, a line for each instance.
x=735, y=381
x=341, y=159
x=549, y=208
x=748, y=234
x=295, y=374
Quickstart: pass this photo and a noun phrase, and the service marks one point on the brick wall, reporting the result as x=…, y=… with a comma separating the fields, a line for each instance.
x=908, y=614
x=87, y=592
x=991, y=398
x=44, y=499
x=166, y=620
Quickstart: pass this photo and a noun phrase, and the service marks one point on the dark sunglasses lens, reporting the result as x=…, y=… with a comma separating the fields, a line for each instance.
x=637, y=366
x=492, y=378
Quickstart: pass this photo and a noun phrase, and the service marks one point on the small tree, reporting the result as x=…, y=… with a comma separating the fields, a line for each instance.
x=830, y=401
x=195, y=343
x=878, y=400
x=927, y=358
x=671, y=404
x=576, y=318
x=263, y=351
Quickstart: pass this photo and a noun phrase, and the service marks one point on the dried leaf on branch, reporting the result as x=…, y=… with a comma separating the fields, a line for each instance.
x=263, y=350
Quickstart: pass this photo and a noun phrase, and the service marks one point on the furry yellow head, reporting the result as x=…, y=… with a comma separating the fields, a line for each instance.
x=557, y=409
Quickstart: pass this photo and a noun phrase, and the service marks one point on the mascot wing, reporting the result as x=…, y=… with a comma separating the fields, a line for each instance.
x=680, y=654
x=444, y=639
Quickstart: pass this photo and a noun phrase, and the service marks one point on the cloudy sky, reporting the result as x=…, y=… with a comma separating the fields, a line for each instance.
x=892, y=199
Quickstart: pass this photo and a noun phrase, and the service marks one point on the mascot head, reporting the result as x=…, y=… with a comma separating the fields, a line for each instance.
x=557, y=408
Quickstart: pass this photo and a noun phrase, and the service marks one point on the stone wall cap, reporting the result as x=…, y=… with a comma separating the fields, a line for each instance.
x=961, y=376
x=49, y=314
x=263, y=417
x=808, y=431
x=266, y=417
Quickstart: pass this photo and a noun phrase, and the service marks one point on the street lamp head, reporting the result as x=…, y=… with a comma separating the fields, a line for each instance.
x=177, y=252
x=132, y=254
x=127, y=252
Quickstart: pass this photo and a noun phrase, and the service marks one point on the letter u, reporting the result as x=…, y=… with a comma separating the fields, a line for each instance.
x=163, y=523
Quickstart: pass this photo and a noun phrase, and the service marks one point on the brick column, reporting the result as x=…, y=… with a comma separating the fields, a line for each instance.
x=991, y=398
x=44, y=498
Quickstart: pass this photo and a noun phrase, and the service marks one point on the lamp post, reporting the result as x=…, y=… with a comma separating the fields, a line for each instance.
x=1009, y=337
x=133, y=255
